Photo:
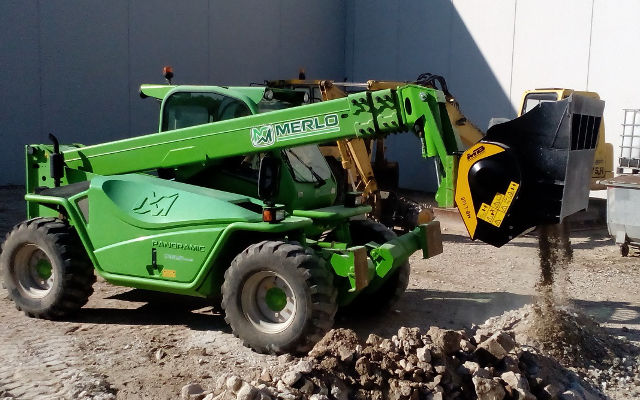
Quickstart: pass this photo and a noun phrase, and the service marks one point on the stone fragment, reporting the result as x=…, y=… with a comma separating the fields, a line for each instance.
x=191, y=389
x=346, y=354
x=488, y=389
x=553, y=390
x=363, y=366
x=373, y=340
x=234, y=383
x=447, y=341
x=495, y=348
x=511, y=364
x=288, y=396
x=571, y=395
x=225, y=395
x=481, y=335
x=319, y=397
x=423, y=354
x=436, y=382
x=436, y=396
x=518, y=383
x=281, y=387
x=467, y=346
x=160, y=354
x=291, y=377
x=304, y=366
x=483, y=373
x=307, y=387
x=387, y=346
x=285, y=358
x=247, y=392
x=471, y=367
x=265, y=376
x=339, y=391
x=440, y=369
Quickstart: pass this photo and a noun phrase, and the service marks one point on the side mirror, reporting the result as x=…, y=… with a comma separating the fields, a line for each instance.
x=268, y=178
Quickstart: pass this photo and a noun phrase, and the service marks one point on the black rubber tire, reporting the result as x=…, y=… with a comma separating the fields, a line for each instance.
x=386, y=296
x=72, y=271
x=310, y=281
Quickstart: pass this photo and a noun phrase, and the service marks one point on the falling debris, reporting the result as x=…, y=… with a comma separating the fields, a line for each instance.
x=555, y=251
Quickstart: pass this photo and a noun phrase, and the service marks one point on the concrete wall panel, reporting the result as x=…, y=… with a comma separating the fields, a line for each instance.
x=551, y=45
x=84, y=70
x=20, y=109
x=481, y=47
x=164, y=33
x=88, y=58
x=243, y=41
x=613, y=66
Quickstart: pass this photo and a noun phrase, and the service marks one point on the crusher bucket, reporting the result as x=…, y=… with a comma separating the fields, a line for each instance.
x=532, y=170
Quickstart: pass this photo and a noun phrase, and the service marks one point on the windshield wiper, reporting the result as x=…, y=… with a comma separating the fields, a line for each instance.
x=319, y=181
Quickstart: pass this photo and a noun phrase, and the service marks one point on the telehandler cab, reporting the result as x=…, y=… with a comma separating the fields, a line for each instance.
x=232, y=198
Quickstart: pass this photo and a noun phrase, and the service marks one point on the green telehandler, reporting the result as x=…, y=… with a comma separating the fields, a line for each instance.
x=232, y=199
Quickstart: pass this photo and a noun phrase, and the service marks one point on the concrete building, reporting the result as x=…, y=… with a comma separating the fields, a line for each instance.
x=73, y=68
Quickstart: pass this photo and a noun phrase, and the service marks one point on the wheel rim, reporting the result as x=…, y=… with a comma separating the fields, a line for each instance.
x=268, y=302
x=32, y=271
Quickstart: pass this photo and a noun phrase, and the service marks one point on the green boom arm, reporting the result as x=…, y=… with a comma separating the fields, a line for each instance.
x=367, y=114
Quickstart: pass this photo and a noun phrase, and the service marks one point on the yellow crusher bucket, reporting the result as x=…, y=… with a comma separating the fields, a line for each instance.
x=532, y=170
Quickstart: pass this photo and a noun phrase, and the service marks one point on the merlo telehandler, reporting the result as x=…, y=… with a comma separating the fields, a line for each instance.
x=232, y=198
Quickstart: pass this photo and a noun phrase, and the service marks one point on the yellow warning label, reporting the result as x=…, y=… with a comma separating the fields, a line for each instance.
x=168, y=273
x=495, y=213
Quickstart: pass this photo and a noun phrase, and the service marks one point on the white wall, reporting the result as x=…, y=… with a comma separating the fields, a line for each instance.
x=614, y=67
x=491, y=52
x=74, y=67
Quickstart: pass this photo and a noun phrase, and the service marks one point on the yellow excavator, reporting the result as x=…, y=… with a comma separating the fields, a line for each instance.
x=362, y=164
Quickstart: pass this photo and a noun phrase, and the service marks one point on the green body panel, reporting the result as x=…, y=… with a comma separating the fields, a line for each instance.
x=146, y=232
x=182, y=222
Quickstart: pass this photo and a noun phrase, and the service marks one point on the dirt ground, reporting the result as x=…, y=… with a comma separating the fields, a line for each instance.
x=130, y=344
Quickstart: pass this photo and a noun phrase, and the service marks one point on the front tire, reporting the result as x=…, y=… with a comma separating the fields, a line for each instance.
x=45, y=268
x=278, y=297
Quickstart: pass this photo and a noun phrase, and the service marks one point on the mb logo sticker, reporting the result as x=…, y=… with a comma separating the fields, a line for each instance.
x=262, y=136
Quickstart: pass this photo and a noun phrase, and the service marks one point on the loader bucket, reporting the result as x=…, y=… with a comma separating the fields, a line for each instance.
x=535, y=169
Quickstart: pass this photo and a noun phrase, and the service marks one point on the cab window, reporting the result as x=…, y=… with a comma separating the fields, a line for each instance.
x=184, y=109
x=533, y=99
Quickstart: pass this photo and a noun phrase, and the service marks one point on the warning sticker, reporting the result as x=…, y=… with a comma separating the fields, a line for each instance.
x=495, y=213
x=168, y=273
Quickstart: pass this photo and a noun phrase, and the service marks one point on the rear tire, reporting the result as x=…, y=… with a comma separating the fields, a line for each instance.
x=388, y=294
x=278, y=297
x=45, y=268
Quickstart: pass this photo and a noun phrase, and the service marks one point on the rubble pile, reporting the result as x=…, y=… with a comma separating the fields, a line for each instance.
x=575, y=340
x=486, y=362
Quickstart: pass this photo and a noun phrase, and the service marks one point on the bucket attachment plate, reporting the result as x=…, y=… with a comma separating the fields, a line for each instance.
x=532, y=170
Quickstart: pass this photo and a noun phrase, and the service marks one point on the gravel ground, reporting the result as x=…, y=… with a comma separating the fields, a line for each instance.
x=130, y=344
